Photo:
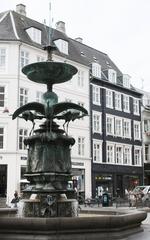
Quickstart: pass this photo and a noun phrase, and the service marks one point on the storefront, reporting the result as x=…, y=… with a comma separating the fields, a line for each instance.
x=117, y=182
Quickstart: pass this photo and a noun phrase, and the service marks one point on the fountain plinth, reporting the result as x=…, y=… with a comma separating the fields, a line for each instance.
x=49, y=157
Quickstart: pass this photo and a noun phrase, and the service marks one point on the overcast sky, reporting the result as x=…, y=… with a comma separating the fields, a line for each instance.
x=120, y=28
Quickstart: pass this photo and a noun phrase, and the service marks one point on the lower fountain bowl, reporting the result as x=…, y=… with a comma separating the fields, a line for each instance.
x=114, y=225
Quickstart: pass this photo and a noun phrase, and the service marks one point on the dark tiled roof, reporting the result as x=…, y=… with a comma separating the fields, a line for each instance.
x=78, y=52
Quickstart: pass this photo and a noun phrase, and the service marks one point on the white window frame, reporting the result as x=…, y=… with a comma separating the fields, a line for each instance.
x=126, y=80
x=146, y=125
x=96, y=94
x=109, y=98
x=40, y=59
x=34, y=34
x=3, y=55
x=81, y=146
x=118, y=154
x=126, y=103
x=62, y=45
x=137, y=156
x=137, y=130
x=112, y=75
x=118, y=101
x=82, y=104
x=3, y=137
x=97, y=126
x=23, y=96
x=109, y=153
x=97, y=151
x=39, y=95
x=96, y=69
x=109, y=125
x=21, y=145
x=80, y=78
x=127, y=157
x=136, y=107
x=126, y=128
x=24, y=58
x=4, y=94
x=118, y=127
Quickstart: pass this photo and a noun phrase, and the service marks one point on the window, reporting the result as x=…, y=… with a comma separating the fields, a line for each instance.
x=68, y=100
x=109, y=99
x=119, y=155
x=2, y=96
x=147, y=125
x=112, y=75
x=97, y=152
x=80, y=78
x=126, y=103
x=1, y=138
x=127, y=155
x=82, y=105
x=109, y=125
x=136, y=106
x=24, y=58
x=22, y=134
x=40, y=59
x=62, y=45
x=96, y=70
x=35, y=34
x=147, y=157
x=137, y=130
x=23, y=96
x=137, y=156
x=2, y=59
x=118, y=127
x=39, y=96
x=110, y=153
x=126, y=80
x=96, y=95
x=96, y=122
x=118, y=105
x=81, y=143
x=127, y=128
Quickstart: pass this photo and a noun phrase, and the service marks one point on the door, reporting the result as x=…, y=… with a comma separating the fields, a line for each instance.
x=3, y=180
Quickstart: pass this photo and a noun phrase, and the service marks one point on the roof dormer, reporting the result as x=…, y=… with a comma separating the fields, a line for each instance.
x=62, y=45
x=96, y=69
x=34, y=34
x=126, y=80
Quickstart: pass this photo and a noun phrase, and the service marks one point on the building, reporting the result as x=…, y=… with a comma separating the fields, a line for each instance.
x=146, y=135
x=107, y=153
x=21, y=43
x=116, y=133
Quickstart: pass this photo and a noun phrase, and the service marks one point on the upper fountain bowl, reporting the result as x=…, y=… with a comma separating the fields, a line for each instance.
x=49, y=72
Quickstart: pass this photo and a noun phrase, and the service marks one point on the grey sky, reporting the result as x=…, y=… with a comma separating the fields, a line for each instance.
x=120, y=28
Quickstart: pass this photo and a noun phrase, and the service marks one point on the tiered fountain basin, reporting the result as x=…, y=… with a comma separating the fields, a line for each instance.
x=89, y=225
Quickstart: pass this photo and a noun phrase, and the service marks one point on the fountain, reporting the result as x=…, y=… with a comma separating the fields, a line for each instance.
x=49, y=209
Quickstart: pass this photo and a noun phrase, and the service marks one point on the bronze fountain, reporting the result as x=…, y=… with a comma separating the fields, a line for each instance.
x=49, y=158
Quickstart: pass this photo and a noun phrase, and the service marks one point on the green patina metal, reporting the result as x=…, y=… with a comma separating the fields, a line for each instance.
x=49, y=157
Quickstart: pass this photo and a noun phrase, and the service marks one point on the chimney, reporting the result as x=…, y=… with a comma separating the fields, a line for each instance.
x=21, y=9
x=79, y=39
x=60, y=26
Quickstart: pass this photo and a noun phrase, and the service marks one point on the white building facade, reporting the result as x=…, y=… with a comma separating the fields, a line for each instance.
x=16, y=51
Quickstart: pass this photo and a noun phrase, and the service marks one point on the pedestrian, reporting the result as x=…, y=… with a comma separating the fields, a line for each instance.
x=15, y=200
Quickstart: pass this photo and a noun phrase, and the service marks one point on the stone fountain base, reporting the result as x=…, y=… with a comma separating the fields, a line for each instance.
x=111, y=226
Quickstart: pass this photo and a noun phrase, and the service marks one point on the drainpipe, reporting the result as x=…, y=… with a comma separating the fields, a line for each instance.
x=18, y=88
